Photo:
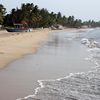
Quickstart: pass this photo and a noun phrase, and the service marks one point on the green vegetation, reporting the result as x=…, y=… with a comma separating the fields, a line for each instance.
x=2, y=13
x=92, y=23
x=31, y=16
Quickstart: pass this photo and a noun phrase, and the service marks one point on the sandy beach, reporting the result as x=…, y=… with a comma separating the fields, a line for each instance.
x=59, y=54
x=16, y=45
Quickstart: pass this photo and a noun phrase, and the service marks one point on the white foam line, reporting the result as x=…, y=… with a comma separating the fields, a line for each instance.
x=90, y=58
x=42, y=86
x=70, y=75
x=36, y=90
x=59, y=79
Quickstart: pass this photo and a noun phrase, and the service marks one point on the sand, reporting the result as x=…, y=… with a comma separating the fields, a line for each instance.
x=15, y=45
x=19, y=79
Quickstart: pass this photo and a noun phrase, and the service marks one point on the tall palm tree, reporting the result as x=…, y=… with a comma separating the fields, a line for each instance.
x=2, y=13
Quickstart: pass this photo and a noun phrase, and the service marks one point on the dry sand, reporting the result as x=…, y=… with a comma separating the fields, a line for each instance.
x=16, y=45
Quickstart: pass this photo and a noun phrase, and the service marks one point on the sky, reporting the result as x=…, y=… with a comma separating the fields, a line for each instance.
x=82, y=9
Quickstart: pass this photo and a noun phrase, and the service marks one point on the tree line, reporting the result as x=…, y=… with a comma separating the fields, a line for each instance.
x=31, y=16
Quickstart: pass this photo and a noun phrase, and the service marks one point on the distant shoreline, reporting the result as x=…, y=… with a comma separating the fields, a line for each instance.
x=16, y=45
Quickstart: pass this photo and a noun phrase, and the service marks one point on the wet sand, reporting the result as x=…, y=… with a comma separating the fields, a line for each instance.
x=16, y=45
x=60, y=55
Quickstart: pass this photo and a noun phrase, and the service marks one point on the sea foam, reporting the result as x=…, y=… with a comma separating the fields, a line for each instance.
x=75, y=86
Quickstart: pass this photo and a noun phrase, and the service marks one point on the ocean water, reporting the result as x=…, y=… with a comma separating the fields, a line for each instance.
x=75, y=86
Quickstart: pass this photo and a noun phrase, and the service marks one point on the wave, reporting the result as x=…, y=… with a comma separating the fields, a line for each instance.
x=76, y=86
x=90, y=43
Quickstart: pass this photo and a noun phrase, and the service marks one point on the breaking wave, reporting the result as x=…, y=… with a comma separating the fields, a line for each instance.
x=76, y=86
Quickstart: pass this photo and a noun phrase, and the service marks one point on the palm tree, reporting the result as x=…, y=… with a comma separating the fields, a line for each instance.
x=2, y=13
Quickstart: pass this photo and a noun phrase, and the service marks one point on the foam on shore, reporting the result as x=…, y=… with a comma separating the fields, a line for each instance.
x=75, y=86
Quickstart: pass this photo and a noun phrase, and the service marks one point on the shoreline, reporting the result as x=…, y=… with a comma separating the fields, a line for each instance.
x=20, y=77
x=16, y=45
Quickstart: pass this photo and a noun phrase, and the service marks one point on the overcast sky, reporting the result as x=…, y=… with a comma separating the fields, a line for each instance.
x=83, y=9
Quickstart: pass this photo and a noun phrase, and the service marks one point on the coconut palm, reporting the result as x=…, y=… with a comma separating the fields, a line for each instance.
x=2, y=13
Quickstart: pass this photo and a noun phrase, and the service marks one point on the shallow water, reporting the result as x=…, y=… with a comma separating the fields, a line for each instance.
x=60, y=55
